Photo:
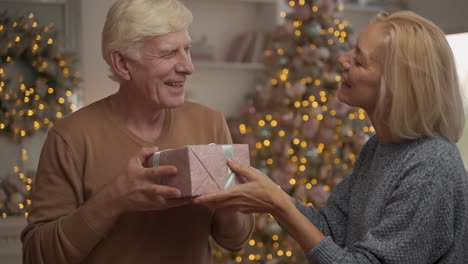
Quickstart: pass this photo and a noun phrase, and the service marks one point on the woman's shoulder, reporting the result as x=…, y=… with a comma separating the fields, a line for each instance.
x=434, y=149
x=434, y=159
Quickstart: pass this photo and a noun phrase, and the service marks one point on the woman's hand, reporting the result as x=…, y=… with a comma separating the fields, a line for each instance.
x=259, y=194
x=262, y=195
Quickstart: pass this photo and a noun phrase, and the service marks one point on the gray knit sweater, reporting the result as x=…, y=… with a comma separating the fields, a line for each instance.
x=404, y=202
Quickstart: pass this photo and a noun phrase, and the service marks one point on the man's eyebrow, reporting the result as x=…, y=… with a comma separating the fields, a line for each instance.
x=167, y=49
x=161, y=51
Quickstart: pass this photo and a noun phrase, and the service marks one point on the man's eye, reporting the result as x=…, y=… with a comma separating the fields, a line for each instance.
x=170, y=53
x=357, y=63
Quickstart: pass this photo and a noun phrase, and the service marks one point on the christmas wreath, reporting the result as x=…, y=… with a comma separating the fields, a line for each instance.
x=37, y=80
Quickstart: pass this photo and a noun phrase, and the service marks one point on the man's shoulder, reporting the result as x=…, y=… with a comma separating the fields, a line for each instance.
x=189, y=106
x=84, y=117
x=193, y=110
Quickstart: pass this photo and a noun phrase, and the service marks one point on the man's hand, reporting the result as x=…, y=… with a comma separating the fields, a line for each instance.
x=136, y=189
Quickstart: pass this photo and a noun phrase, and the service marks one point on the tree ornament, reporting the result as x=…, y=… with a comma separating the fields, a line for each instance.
x=313, y=29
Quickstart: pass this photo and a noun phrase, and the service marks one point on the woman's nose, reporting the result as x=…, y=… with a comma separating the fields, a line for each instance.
x=344, y=61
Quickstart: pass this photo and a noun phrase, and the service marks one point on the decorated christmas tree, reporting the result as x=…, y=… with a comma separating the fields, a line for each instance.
x=37, y=80
x=299, y=133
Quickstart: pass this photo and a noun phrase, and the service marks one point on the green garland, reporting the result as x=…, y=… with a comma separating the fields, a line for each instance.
x=36, y=78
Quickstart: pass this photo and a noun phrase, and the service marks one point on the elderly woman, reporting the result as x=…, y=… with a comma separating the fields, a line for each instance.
x=93, y=200
x=406, y=200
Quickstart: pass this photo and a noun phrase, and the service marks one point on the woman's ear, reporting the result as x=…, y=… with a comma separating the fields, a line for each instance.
x=119, y=65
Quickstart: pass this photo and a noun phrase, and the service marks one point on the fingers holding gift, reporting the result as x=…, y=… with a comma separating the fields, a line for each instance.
x=152, y=174
x=240, y=198
x=160, y=202
x=247, y=172
x=144, y=154
x=165, y=192
x=154, y=197
x=251, y=174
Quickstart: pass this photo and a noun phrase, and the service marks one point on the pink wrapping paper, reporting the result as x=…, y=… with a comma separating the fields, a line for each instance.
x=200, y=168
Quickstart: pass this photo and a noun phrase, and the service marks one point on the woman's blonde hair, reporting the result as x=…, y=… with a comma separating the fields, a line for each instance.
x=419, y=93
x=131, y=21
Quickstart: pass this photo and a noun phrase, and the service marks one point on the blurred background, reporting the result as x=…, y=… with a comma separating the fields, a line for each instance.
x=270, y=66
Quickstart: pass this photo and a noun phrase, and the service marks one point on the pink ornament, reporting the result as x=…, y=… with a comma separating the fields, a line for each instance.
x=280, y=177
x=251, y=112
x=325, y=135
x=264, y=94
x=277, y=146
x=346, y=152
x=234, y=129
x=309, y=128
x=286, y=117
x=249, y=139
x=327, y=6
x=291, y=167
x=296, y=90
x=330, y=122
x=250, y=109
x=280, y=32
x=310, y=55
x=302, y=12
x=318, y=194
x=324, y=53
x=297, y=63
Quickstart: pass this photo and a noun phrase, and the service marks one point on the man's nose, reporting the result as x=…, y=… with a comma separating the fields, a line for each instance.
x=185, y=64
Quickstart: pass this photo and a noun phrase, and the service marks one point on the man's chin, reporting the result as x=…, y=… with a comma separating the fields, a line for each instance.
x=174, y=103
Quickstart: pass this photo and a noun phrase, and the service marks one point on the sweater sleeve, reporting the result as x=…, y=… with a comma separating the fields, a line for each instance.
x=58, y=230
x=415, y=227
x=332, y=218
x=232, y=238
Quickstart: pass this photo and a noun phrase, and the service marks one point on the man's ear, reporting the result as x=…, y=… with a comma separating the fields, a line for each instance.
x=119, y=64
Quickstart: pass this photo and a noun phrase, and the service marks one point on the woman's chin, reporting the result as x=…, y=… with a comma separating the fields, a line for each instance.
x=342, y=96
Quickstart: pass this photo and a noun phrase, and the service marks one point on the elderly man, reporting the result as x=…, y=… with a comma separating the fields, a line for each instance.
x=94, y=200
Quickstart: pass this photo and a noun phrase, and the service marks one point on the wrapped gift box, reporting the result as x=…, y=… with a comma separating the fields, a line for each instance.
x=202, y=168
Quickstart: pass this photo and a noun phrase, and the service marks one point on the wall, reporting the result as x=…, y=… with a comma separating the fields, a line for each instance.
x=450, y=15
x=96, y=84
